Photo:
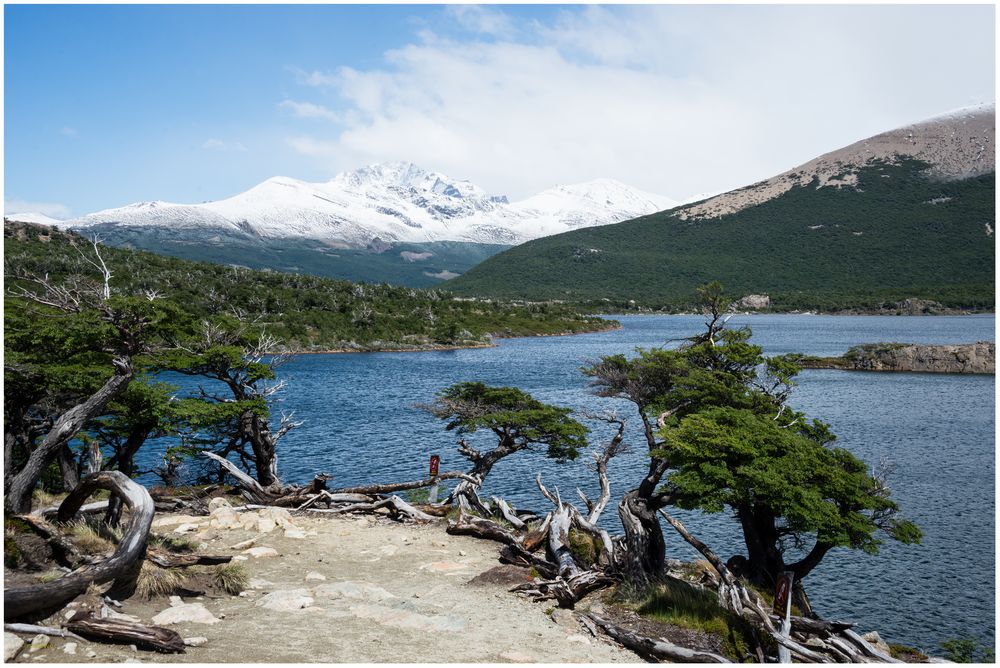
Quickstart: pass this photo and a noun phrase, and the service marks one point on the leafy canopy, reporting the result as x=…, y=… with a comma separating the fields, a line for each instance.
x=518, y=419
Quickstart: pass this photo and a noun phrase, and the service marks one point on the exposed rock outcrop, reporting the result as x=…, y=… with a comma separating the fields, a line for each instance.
x=975, y=358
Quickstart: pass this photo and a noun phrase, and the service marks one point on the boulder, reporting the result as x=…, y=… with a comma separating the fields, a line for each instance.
x=313, y=575
x=261, y=552
x=69, y=648
x=195, y=613
x=218, y=502
x=288, y=600
x=12, y=646
x=41, y=641
x=195, y=641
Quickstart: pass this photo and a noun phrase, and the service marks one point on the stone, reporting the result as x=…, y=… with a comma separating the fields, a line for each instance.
x=41, y=641
x=69, y=648
x=189, y=526
x=259, y=583
x=224, y=517
x=261, y=552
x=565, y=619
x=443, y=567
x=195, y=613
x=12, y=646
x=125, y=618
x=91, y=654
x=353, y=590
x=172, y=520
x=195, y=641
x=288, y=600
x=578, y=637
x=876, y=640
x=219, y=502
x=408, y=619
x=295, y=533
x=518, y=657
x=313, y=575
x=68, y=615
x=240, y=557
x=266, y=525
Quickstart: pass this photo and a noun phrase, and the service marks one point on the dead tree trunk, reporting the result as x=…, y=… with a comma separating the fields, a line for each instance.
x=38, y=601
x=68, y=424
x=656, y=650
x=645, y=550
x=127, y=633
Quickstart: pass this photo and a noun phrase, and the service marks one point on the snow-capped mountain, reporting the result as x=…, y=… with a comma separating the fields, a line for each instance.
x=34, y=217
x=394, y=202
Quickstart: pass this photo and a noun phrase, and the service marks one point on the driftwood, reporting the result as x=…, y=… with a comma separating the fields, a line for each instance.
x=516, y=555
x=470, y=525
x=64, y=551
x=44, y=630
x=165, y=559
x=655, y=650
x=567, y=591
x=127, y=633
x=39, y=600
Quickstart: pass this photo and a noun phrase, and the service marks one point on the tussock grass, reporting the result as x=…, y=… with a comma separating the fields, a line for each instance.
x=172, y=544
x=88, y=539
x=231, y=578
x=678, y=603
x=155, y=581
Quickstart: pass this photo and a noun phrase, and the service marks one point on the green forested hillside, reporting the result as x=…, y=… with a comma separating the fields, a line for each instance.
x=411, y=265
x=306, y=312
x=897, y=234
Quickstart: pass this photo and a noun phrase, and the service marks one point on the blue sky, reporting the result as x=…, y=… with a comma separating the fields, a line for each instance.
x=107, y=105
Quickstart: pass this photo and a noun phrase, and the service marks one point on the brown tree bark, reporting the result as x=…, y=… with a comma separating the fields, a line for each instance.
x=22, y=484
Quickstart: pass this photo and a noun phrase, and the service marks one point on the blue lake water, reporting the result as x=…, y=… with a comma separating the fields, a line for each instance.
x=361, y=425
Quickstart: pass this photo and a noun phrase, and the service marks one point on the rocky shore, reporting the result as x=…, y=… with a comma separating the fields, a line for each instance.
x=965, y=358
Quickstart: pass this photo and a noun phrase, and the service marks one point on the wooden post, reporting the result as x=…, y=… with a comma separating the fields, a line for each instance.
x=433, y=494
x=783, y=607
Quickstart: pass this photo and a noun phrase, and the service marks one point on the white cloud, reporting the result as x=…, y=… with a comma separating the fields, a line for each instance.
x=308, y=110
x=480, y=19
x=219, y=145
x=675, y=100
x=52, y=209
x=68, y=131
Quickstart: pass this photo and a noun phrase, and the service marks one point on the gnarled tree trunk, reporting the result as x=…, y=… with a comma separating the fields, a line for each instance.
x=18, y=499
x=38, y=601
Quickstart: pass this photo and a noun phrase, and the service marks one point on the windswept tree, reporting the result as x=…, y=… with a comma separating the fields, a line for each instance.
x=242, y=361
x=73, y=345
x=721, y=436
x=518, y=420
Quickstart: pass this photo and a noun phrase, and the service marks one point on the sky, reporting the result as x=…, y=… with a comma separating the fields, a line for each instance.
x=109, y=105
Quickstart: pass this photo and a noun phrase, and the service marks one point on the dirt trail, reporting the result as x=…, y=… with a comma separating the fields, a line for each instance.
x=391, y=593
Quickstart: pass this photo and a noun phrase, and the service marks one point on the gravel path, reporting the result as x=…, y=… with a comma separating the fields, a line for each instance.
x=377, y=592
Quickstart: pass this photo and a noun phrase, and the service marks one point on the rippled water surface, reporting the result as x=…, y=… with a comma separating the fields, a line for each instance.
x=361, y=425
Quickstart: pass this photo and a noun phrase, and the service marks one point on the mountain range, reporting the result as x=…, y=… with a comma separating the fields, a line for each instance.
x=391, y=222
x=906, y=213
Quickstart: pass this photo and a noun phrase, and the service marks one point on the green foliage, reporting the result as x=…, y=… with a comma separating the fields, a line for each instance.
x=678, y=603
x=307, y=313
x=810, y=248
x=967, y=650
x=514, y=416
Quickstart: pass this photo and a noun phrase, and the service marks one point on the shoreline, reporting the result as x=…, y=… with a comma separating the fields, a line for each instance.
x=441, y=347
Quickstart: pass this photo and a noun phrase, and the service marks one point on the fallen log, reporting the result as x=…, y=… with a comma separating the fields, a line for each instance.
x=655, y=650
x=122, y=632
x=535, y=538
x=508, y=514
x=470, y=525
x=516, y=555
x=44, y=630
x=403, y=486
x=38, y=600
x=64, y=551
x=566, y=591
x=251, y=488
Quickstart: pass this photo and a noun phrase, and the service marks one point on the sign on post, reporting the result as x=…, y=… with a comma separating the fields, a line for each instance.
x=783, y=608
x=432, y=496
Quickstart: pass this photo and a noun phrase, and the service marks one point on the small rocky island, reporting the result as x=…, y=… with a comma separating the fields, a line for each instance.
x=977, y=358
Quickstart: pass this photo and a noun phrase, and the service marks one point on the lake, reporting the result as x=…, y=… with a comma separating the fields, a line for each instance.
x=362, y=425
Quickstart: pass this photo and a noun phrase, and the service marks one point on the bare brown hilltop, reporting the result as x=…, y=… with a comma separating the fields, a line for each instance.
x=959, y=144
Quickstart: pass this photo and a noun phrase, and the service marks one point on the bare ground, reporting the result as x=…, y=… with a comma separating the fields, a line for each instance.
x=391, y=593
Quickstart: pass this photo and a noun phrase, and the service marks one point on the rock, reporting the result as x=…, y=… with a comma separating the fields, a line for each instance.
x=462, y=553
x=266, y=525
x=875, y=639
x=261, y=552
x=185, y=612
x=353, y=590
x=443, y=567
x=12, y=646
x=172, y=520
x=68, y=615
x=219, y=502
x=753, y=303
x=295, y=533
x=189, y=526
x=518, y=657
x=408, y=619
x=125, y=618
x=91, y=654
x=248, y=521
x=240, y=557
x=259, y=583
x=195, y=641
x=41, y=641
x=313, y=575
x=578, y=637
x=69, y=648
x=287, y=600
x=566, y=619
x=224, y=517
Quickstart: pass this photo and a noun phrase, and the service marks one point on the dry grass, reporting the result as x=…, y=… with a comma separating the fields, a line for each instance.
x=231, y=578
x=173, y=544
x=155, y=581
x=89, y=540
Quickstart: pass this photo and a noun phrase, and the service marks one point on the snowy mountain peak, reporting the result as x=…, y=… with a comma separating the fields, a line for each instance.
x=394, y=202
